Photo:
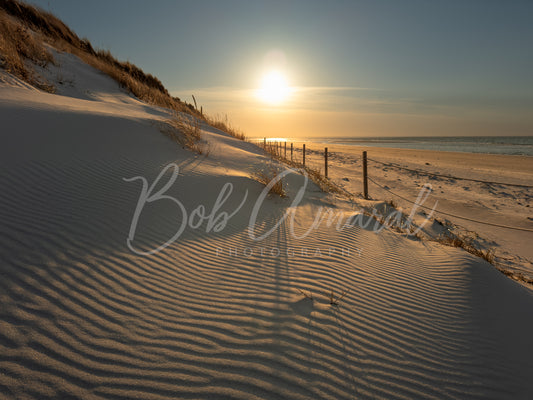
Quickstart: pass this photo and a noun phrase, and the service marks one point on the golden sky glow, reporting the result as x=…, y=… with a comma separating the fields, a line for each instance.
x=347, y=68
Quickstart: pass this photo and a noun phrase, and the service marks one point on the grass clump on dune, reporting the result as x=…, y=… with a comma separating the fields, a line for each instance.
x=26, y=28
x=269, y=177
x=185, y=130
x=18, y=44
x=224, y=125
x=24, y=32
x=468, y=245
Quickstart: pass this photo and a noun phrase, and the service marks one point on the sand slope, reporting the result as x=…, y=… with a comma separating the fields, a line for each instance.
x=217, y=314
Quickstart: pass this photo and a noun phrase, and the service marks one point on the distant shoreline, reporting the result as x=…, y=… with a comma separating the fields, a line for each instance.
x=495, y=145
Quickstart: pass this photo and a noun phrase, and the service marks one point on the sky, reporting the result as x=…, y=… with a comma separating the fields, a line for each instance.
x=354, y=68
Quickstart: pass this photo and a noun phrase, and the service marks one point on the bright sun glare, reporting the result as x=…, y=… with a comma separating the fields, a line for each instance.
x=274, y=88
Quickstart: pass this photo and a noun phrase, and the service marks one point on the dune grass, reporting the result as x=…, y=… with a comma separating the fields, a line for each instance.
x=516, y=276
x=335, y=300
x=185, y=130
x=266, y=176
x=18, y=44
x=24, y=32
x=224, y=125
x=468, y=245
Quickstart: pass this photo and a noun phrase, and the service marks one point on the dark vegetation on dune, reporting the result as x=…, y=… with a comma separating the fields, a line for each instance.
x=24, y=30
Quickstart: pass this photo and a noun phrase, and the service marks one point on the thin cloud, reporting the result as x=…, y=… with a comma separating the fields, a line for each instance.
x=302, y=97
x=348, y=99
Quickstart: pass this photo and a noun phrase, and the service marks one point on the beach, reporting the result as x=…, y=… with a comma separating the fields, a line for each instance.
x=135, y=268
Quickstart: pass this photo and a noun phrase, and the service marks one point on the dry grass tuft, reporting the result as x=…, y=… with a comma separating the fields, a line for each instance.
x=516, y=276
x=189, y=126
x=325, y=184
x=185, y=130
x=39, y=20
x=223, y=124
x=335, y=300
x=18, y=44
x=267, y=176
x=468, y=245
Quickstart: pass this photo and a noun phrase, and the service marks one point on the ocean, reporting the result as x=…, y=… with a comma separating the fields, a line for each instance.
x=510, y=145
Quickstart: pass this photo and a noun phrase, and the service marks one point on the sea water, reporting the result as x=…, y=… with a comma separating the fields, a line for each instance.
x=511, y=145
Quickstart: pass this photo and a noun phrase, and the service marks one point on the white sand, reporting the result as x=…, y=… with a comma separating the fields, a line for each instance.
x=83, y=316
x=509, y=206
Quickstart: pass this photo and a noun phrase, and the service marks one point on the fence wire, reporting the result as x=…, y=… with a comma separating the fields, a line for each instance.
x=441, y=176
x=451, y=215
x=448, y=176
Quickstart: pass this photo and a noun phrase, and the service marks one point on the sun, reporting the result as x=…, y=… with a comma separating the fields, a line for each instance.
x=274, y=88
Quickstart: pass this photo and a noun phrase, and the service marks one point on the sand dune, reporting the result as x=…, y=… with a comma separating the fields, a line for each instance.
x=218, y=314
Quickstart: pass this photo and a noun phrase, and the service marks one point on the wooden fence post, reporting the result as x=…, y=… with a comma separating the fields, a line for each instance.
x=303, y=155
x=291, y=151
x=326, y=162
x=265, y=143
x=365, y=177
x=285, y=156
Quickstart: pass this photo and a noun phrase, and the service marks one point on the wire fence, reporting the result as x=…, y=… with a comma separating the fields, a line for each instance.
x=281, y=150
x=449, y=214
x=449, y=176
x=454, y=178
